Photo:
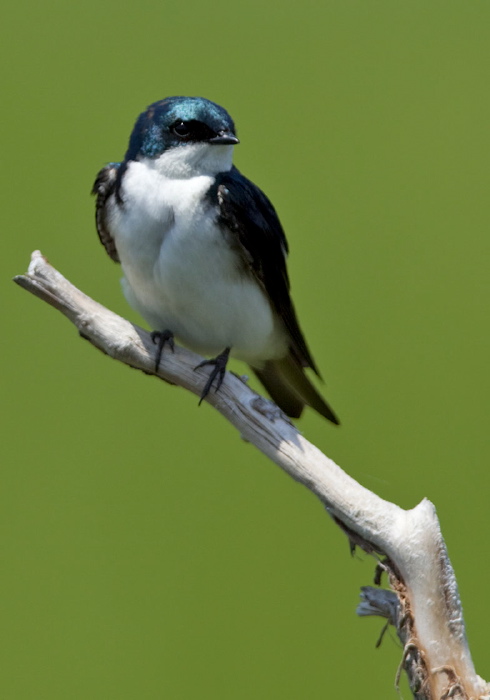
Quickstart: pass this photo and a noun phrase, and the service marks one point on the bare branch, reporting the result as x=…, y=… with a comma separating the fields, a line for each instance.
x=427, y=610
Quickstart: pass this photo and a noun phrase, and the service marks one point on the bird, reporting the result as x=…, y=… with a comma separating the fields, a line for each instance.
x=203, y=252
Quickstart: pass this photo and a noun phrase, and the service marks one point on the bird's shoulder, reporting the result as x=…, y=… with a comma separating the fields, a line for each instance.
x=105, y=185
x=253, y=222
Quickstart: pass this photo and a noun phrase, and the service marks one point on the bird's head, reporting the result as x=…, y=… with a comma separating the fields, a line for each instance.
x=184, y=135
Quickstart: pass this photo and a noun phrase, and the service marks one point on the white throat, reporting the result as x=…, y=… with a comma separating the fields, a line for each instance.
x=191, y=160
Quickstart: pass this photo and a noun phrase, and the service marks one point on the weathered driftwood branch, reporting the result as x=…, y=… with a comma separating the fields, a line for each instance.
x=425, y=606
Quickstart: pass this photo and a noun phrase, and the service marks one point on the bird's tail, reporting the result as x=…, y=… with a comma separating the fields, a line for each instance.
x=290, y=388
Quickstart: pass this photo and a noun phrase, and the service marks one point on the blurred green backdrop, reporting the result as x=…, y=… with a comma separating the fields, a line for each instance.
x=147, y=551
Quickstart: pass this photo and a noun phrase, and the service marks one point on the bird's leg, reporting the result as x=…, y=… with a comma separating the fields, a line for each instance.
x=219, y=368
x=162, y=338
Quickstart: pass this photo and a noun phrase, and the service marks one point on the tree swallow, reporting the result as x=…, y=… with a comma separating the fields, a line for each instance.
x=202, y=250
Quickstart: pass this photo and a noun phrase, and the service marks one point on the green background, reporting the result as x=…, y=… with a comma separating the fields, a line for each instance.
x=147, y=552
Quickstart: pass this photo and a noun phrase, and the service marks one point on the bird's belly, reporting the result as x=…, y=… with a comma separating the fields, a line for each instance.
x=198, y=290
x=181, y=273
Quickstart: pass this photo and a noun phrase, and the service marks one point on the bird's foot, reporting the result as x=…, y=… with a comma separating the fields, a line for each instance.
x=162, y=338
x=219, y=368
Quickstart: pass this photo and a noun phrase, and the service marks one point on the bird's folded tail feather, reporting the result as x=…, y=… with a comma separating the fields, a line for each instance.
x=290, y=388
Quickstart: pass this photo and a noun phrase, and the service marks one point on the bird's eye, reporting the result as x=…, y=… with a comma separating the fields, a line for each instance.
x=181, y=129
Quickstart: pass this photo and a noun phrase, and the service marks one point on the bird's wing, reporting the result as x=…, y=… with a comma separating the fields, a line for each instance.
x=248, y=214
x=104, y=186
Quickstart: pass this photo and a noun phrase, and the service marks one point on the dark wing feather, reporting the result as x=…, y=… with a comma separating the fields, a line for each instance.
x=250, y=216
x=104, y=186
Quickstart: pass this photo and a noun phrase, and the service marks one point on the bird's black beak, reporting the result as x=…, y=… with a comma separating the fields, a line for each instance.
x=224, y=138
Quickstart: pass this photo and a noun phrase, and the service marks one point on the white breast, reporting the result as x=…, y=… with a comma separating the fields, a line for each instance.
x=180, y=273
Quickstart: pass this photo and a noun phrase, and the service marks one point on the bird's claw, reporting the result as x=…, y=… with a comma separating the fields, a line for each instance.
x=219, y=369
x=162, y=338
